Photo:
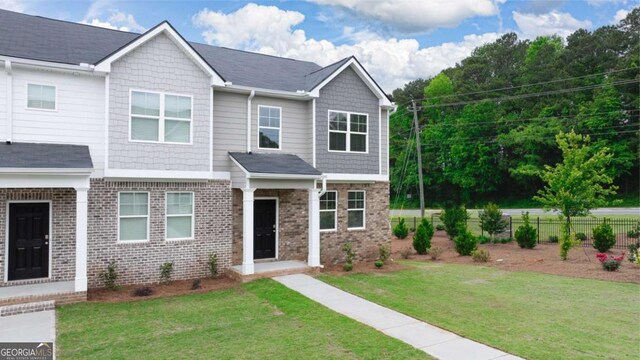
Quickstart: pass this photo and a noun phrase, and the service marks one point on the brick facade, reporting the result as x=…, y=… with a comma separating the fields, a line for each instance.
x=62, y=236
x=140, y=262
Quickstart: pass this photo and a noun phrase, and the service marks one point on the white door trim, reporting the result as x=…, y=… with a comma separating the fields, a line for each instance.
x=277, y=199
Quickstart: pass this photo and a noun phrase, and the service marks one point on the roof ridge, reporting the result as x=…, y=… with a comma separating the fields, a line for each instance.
x=322, y=68
x=254, y=53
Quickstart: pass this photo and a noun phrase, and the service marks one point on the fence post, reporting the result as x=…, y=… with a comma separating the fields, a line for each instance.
x=538, y=229
x=511, y=227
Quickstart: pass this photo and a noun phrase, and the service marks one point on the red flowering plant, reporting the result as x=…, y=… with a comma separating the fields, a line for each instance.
x=610, y=263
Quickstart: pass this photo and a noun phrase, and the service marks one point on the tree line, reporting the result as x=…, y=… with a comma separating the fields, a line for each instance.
x=488, y=124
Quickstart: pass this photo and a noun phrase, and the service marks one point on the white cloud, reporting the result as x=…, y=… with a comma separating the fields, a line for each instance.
x=619, y=16
x=421, y=15
x=12, y=5
x=551, y=23
x=602, y=2
x=392, y=62
x=118, y=21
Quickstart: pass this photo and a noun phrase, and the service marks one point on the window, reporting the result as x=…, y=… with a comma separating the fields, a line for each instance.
x=179, y=224
x=328, y=210
x=347, y=131
x=160, y=117
x=269, y=127
x=41, y=97
x=355, y=210
x=133, y=214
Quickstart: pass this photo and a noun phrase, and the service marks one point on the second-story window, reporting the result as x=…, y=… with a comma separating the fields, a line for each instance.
x=41, y=97
x=158, y=117
x=269, y=132
x=347, y=131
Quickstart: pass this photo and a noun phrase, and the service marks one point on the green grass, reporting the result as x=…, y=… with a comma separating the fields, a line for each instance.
x=532, y=315
x=260, y=320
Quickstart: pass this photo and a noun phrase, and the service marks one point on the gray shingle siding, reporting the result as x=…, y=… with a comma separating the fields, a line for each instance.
x=347, y=92
x=159, y=65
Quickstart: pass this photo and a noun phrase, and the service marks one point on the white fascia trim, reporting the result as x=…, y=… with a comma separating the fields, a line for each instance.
x=44, y=180
x=284, y=176
x=356, y=177
x=265, y=92
x=48, y=64
x=383, y=101
x=47, y=171
x=167, y=174
x=105, y=64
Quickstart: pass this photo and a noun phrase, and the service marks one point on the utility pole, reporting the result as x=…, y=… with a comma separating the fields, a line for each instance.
x=419, y=152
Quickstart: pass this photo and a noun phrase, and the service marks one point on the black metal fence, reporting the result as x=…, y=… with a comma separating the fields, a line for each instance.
x=549, y=229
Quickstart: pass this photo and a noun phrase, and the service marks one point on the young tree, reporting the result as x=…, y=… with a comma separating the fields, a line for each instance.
x=491, y=220
x=422, y=237
x=576, y=185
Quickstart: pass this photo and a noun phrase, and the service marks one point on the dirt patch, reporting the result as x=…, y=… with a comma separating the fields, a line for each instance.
x=544, y=258
x=173, y=288
x=365, y=267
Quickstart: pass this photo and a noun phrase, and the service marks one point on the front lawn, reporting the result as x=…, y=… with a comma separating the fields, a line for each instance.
x=259, y=320
x=536, y=316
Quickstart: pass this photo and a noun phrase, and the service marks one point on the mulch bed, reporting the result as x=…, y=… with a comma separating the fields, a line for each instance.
x=544, y=258
x=179, y=287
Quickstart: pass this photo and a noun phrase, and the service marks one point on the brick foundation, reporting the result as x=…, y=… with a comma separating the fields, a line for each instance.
x=59, y=298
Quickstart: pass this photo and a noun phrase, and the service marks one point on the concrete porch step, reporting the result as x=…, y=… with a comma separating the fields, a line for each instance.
x=17, y=309
x=62, y=292
x=271, y=269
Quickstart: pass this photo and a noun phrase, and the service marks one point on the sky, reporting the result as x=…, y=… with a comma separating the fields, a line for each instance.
x=396, y=40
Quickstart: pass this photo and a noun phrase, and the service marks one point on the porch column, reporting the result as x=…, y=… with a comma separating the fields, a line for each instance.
x=247, y=231
x=81, y=239
x=314, y=228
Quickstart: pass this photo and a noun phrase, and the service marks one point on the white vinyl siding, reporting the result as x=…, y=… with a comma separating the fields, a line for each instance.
x=329, y=211
x=348, y=132
x=356, y=204
x=133, y=216
x=41, y=97
x=159, y=117
x=179, y=211
x=269, y=127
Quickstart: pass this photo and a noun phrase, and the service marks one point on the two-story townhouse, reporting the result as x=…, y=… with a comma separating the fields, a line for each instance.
x=143, y=149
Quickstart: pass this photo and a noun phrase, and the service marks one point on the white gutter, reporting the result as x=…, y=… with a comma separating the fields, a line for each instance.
x=294, y=95
x=9, y=102
x=251, y=95
x=324, y=185
x=48, y=64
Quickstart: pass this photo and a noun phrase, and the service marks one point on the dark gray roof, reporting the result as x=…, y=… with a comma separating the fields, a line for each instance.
x=274, y=164
x=39, y=38
x=44, y=156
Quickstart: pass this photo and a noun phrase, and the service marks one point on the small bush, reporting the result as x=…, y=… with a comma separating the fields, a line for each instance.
x=581, y=236
x=349, y=256
x=603, y=237
x=480, y=255
x=526, y=235
x=634, y=253
x=195, y=285
x=553, y=238
x=610, y=263
x=385, y=253
x=401, y=230
x=379, y=263
x=453, y=218
x=482, y=239
x=435, y=253
x=406, y=252
x=212, y=263
x=347, y=267
x=465, y=242
x=635, y=232
x=440, y=227
x=143, y=291
x=166, y=270
x=491, y=220
x=422, y=237
x=110, y=276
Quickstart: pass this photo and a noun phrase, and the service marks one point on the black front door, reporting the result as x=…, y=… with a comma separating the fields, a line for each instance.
x=264, y=229
x=28, y=240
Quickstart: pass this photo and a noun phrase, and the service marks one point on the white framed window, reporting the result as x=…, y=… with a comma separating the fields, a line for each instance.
x=356, y=204
x=269, y=127
x=329, y=211
x=160, y=117
x=133, y=216
x=348, y=132
x=179, y=216
x=41, y=97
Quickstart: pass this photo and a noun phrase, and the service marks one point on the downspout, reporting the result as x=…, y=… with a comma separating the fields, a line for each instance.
x=251, y=95
x=9, y=104
x=324, y=185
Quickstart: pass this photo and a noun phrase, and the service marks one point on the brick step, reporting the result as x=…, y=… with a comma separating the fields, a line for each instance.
x=24, y=308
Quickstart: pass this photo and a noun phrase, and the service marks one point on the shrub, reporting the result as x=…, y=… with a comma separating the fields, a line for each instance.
x=491, y=220
x=212, y=263
x=406, y=252
x=349, y=256
x=603, y=237
x=635, y=232
x=465, y=242
x=610, y=263
x=110, y=276
x=553, y=238
x=440, y=227
x=347, y=267
x=422, y=237
x=482, y=239
x=385, y=253
x=453, y=218
x=143, y=291
x=379, y=263
x=526, y=235
x=166, y=270
x=581, y=236
x=401, y=230
x=634, y=253
x=435, y=253
x=480, y=255
x=195, y=285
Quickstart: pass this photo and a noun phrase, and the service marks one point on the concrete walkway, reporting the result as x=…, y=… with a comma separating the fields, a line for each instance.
x=434, y=341
x=30, y=327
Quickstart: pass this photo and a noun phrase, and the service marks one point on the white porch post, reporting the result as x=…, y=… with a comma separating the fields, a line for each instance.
x=81, y=239
x=314, y=228
x=247, y=231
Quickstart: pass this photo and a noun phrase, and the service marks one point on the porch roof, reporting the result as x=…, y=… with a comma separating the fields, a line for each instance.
x=272, y=164
x=31, y=156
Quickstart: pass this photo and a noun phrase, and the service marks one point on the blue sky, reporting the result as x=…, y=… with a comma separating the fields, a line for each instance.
x=396, y=40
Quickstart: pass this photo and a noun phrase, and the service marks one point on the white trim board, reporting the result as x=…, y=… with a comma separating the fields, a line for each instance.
x=167, y=174
x=333, y=177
